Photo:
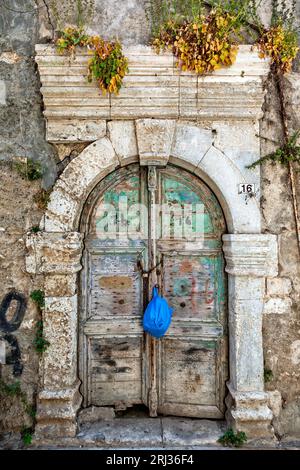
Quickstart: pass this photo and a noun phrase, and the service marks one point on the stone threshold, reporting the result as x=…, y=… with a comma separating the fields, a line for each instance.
x=147, y=434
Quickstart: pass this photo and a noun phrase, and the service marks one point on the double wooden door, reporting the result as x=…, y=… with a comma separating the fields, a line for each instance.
x=148, y=226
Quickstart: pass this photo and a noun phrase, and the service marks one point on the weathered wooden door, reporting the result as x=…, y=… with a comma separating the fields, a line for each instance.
x=146, y=227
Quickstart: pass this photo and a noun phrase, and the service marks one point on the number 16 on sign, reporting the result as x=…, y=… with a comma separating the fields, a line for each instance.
x=246, y=188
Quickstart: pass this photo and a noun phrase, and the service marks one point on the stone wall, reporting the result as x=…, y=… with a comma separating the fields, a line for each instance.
x=281, y=327
x=23, y=135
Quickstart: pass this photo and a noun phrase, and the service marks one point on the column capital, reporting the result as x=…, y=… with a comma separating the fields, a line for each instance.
x=253, y=255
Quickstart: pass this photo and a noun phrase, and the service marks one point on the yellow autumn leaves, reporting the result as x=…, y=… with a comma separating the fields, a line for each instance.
x=201, y=46
x=280, y=44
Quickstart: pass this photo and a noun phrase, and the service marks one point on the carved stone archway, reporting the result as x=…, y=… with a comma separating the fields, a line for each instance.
x=56, y=253
x=210, y=128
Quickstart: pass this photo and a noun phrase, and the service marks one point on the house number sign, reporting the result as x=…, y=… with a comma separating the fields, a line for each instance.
x=246, y=188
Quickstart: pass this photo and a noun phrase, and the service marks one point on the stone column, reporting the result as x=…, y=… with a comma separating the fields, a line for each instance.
x=57, y=256
x=249, y=259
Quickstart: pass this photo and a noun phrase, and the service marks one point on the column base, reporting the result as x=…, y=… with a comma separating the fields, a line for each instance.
x=249, y=412
x=57, y=412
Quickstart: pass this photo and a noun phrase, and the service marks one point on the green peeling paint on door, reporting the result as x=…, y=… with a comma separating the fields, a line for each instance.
x=186, y=370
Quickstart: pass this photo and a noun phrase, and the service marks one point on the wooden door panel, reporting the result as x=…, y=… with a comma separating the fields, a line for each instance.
x=189, y=378
x=192, y=285
x=192, y=369
x=116, y=285
x=112, y=393
x=115, y=370
x=186, y=370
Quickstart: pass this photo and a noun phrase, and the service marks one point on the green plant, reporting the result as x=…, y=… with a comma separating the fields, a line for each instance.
x=41, y=198
x=40, y=343
x=38, y=296
x=279, y=42
x=268, y=375
x=232, y=439
x=26, y=434
x=287, y=153
x=29, y=169
x=70, y=38
x=108, y=66
x=201, y=42
x=35, y=229
x=14, y=390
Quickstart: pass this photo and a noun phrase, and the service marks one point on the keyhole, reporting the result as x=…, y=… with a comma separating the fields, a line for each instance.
x=182, y=305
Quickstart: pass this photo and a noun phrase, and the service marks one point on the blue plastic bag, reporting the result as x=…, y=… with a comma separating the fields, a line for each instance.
x=157, y=316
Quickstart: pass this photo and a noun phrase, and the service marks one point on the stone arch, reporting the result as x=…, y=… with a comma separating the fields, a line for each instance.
x=56, y=252
x=185, y=145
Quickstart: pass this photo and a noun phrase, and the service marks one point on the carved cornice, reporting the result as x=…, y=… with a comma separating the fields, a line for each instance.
x=154, y=88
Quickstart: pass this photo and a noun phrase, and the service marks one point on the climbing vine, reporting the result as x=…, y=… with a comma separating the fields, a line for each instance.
x=285, y=154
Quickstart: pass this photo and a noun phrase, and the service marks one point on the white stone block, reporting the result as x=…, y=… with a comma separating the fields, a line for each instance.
x=191, y=143
x=2, y=93
x=250, y=254
x=277, y=306
x=123, y=138
x=241, y=217
x=55, y=253
x=246, y=288
x=275, y=402
x=279, y=286
x=60, y=285
x=60, y=328
x=295, y=352
x=91, y=164
x=154, y=137
x=61, y=211
x=75, y=130
x=236, y=136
